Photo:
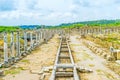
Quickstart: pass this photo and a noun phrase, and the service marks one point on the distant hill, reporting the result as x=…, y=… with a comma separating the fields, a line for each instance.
x=92, y=22
x=103, y=23
x=95, y=23
x=28, y=26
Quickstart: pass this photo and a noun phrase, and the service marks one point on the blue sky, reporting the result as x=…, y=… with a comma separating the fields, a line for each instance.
x=53, y=12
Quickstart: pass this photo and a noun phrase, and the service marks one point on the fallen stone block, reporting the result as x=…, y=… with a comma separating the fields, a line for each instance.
x=1, y=72
x=42, y=77
x=110, y=58
x=84, y=70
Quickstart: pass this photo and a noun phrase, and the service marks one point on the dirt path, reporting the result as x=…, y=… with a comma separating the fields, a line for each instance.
x=43, y=56
x=86, y=58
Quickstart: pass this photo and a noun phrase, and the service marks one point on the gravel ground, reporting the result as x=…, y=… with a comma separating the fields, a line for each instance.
x=86, y=58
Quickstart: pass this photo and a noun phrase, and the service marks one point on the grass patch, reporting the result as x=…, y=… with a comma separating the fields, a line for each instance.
x=98, y=70
x=13, y=71
x=115, y=67
x=106, y=41
x=25, y=61
x=108, y=75
x=86, y=56
x=91, y=65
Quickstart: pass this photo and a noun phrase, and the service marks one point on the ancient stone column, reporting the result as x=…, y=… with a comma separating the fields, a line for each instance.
x=18, y=44
x=5, y=48
x=31, y=40
x=25, y=41
x=12, y=46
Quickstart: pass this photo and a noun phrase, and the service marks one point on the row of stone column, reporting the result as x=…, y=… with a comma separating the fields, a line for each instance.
x=14, y=49
x=84, y=31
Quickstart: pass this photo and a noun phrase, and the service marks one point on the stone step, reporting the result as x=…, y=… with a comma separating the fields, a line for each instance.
x=64, y=57
x=64, y=74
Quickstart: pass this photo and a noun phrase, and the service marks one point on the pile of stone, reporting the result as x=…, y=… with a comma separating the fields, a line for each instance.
x=98, y=50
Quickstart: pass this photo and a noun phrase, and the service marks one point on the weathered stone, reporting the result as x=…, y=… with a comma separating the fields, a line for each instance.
x=104, y=55
x=42, y=77
x=46, y=70
x=34, y=71
x=1, y=72
x=6, y=64
x=110, y=58
x=118, y=55
x=84, y=70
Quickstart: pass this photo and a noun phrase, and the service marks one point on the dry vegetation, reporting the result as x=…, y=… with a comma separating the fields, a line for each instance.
x=106, y=40
x=114, y=66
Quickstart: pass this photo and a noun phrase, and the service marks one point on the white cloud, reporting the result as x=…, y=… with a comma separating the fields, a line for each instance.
x=58, y=11
x=94, y=3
